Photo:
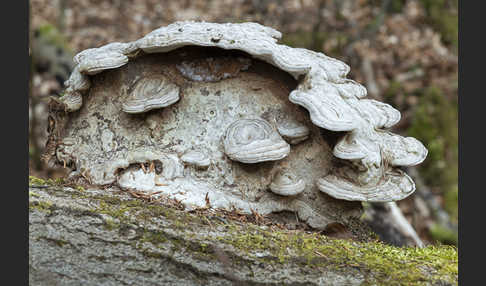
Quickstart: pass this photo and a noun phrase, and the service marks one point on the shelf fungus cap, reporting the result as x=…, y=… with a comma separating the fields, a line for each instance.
x=115, y=47
x=286, y=183
x=395, y=186
x=350, y=148
x=292, y=131
x=149, y=93
x=379, y=114
x=402, y=151
x=97, y=63
x=196, y=158
x=73, y=101
x=77, y=81
x=253, y=141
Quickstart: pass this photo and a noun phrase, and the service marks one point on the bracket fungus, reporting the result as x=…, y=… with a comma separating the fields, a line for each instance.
x=149, y=93
x=287, y=184
x=292, y=131
x=100, y=62
x=253, y=141
x=254, y=106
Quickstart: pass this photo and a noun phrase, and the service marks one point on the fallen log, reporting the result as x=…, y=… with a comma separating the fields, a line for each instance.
x=107, y=237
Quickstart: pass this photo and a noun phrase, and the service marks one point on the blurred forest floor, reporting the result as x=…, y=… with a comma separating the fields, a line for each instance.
x=403, y=51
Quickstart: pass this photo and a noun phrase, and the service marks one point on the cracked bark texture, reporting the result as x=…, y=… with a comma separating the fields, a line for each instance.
x=75, y=240
x=106, y=237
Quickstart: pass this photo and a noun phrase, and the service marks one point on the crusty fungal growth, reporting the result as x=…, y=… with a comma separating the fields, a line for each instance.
x=234, y=92
x=253, y=141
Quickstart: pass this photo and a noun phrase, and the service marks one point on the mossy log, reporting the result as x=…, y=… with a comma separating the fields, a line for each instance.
x=106, y=237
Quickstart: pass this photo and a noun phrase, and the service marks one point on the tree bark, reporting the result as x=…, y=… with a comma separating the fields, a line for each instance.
x=105, y=237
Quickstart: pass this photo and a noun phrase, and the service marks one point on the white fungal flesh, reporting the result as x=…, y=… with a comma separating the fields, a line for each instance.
x=333, y=102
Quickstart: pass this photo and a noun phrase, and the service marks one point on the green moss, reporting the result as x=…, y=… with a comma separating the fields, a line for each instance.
x=126, y=210
x=154, y=237
x=385, y=264
x=36, y=181
x=381, y=264
x=120, y=213
x=110, y=224
x=163, y=241
x=41, y=182
x=33, y=194
x=41, y=206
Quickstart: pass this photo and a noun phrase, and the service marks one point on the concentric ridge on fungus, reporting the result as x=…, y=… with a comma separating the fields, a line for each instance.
x=292, y=131
x=150, y=93
x=253, y=141
x=286, y=183
x=334, y=102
